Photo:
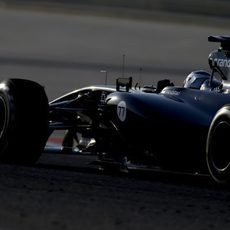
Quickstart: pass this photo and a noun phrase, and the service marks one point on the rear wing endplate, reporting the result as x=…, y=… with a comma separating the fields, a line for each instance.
x=223, y=40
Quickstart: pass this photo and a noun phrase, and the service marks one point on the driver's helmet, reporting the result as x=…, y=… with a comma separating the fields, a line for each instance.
x=195, y=79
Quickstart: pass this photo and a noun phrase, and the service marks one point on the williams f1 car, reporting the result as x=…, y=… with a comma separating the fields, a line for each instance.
x=183, y=128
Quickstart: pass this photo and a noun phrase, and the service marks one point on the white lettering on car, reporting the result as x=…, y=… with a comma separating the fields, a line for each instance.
x=222, y=62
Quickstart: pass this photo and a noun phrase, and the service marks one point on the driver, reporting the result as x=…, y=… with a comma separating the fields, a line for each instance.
x=195, y=79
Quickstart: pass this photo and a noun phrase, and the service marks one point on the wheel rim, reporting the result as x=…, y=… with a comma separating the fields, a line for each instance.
x=3, y=116
x=219, y=154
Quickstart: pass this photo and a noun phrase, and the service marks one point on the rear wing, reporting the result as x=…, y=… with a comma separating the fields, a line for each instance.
x=223, y=40
x=219, y=60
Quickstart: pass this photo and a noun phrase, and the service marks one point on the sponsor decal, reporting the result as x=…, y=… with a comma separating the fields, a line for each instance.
x=171, y=92
x=222, y=62
x=121, y=110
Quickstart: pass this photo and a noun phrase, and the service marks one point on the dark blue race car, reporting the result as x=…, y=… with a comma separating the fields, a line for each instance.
x=183, y=128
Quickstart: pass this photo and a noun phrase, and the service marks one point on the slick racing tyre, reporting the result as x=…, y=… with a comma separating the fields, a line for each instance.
x=23, y=121
x=217, y=151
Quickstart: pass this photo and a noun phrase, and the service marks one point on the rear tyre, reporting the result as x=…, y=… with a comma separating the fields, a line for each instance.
x=23, y=121
x=217, y=151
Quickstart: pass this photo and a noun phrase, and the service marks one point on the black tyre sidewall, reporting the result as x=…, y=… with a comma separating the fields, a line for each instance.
x=26, y=131
x=222, y=118
x=7, y=122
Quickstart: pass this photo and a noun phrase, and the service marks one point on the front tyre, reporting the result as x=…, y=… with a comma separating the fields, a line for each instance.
x=23, y=121
x=218, y=148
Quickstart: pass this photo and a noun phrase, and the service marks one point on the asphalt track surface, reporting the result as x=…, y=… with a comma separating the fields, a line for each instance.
x=64, y=52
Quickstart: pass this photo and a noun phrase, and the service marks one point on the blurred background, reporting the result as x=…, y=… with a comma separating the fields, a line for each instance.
x=66, y=44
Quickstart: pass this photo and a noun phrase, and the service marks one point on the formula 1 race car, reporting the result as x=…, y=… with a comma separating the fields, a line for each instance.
x=184, y=128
